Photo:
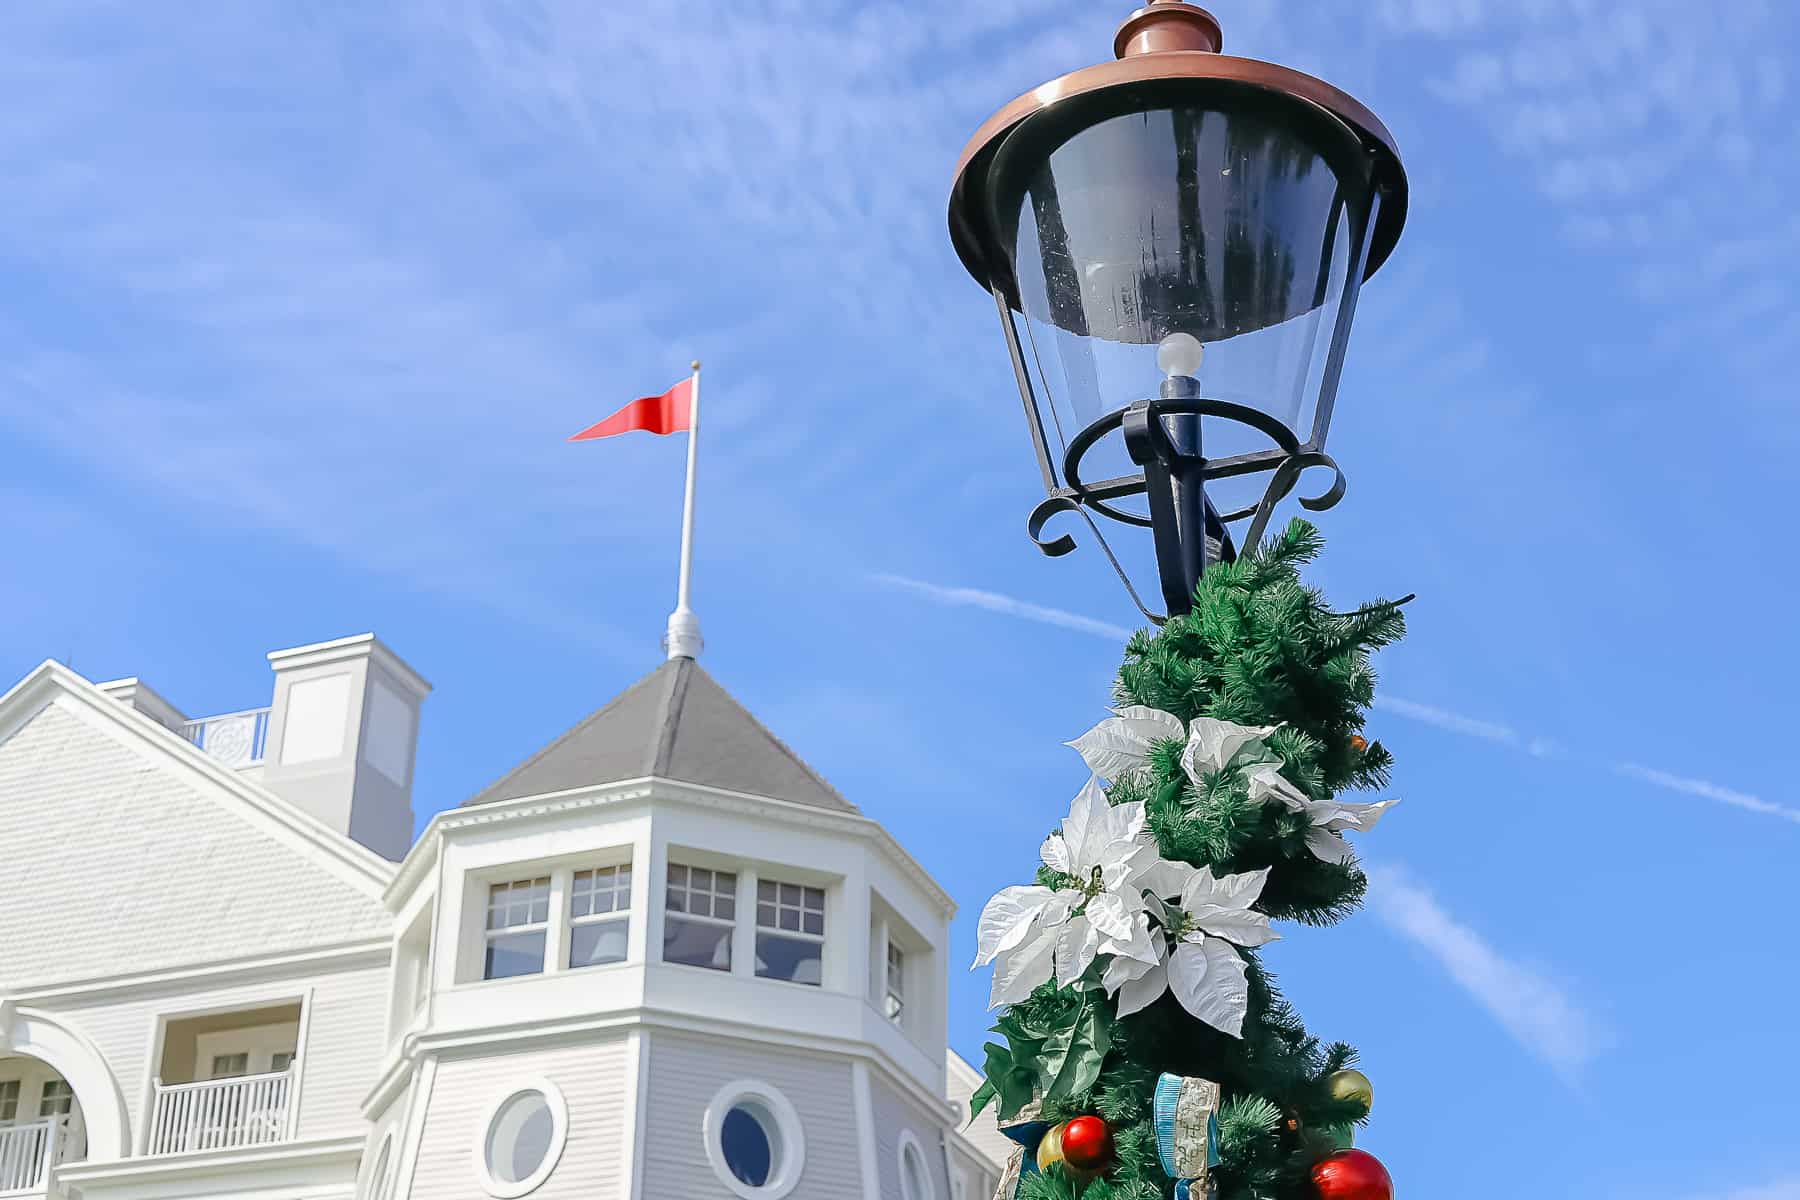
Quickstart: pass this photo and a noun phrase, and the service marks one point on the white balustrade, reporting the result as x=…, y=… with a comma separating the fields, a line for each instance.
x=27, y=1151
x=220, y=1114
x=235, y=739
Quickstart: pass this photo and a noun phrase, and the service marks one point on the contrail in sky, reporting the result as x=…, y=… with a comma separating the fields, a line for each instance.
x=1440, y=718
x=1006, y=606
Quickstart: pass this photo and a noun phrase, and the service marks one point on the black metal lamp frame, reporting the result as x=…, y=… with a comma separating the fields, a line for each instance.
x=1163, y=435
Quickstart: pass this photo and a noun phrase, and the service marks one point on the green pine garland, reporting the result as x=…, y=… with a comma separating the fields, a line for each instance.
x=1260, y=648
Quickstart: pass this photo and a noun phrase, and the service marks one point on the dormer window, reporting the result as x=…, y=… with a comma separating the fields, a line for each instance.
x=790, y=932
x=518, y=927
x=700, y=914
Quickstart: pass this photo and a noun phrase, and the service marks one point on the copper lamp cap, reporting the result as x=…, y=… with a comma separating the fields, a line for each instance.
x=1169, y=41
x=1164, y=25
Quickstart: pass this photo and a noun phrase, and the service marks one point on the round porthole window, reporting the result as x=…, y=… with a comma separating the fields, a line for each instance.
x=915, y=1176
x=753, y=1140
x=521, y=1139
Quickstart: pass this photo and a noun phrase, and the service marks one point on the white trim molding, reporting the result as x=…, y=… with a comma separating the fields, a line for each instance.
x=787, y=1141
x=867, y=1146
x=425, y=849
x=382, y=1168
x=504, y=1189
x=320, y=1167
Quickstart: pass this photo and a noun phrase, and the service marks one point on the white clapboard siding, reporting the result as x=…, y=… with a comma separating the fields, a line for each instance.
x=592, y=1078
x=686, y=1071
x=345, y=1040
x=894, y=1113
x=148, y=865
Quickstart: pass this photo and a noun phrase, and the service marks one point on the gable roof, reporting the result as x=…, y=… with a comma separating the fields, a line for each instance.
x=92, y=789
x=362, y=867
x=675, y=723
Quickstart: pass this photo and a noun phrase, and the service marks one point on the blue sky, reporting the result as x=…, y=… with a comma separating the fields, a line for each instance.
x=297, y=304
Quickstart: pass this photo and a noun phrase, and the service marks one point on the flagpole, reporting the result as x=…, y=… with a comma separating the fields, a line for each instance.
x=683, y=640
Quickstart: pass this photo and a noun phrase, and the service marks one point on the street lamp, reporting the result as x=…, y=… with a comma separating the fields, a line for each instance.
x=1175, y=241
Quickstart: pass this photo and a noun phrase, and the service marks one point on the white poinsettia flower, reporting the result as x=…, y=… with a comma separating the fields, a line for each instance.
x=1330, y=819
x=1213, y=745
x=1121, y=743
x=1268, y=783
x=1203, y=928
x=1035, y=933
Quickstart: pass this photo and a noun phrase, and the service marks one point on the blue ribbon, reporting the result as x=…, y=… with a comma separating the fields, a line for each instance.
x=1167, y=1111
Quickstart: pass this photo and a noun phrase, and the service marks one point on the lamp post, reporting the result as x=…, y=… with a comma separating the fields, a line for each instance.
x=1175, y=241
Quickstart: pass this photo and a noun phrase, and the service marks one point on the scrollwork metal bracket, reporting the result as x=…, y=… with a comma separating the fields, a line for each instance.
x=1286, y=463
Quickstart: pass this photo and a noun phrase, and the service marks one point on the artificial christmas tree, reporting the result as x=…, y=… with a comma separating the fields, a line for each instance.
x=1132, y=985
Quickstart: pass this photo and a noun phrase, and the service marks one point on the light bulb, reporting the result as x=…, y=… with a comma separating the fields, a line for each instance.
x=1180, y=354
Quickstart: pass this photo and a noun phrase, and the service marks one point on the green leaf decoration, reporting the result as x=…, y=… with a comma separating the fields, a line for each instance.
x=1011, y=1079
x=1054, y=1050
x=1069, y=1059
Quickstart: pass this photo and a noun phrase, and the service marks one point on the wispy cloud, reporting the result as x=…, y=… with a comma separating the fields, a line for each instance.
x=1708, y=791
x=1543, y=747
x=1698, y=235
x=1780, y=1189
x=994, y=602
x=1533, y=1009
x=1443, y=718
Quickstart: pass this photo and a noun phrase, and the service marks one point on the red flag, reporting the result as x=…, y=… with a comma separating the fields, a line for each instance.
x=667, y=413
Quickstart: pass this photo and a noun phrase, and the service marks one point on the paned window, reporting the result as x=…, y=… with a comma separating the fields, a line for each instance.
x=9, y=1100
x=226, y=1066
x=58, y=1099
x=699, y=913
x=281, y=1061
x=518, y=924
x=895, y=1003
x=599, y=915
x=790, y=931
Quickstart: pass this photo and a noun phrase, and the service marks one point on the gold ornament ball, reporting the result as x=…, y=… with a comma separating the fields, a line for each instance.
x=1350, y=1084
x=1358, y=742
x=1050, y=1151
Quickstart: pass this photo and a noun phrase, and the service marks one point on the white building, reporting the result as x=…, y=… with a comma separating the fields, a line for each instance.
x=660, y=959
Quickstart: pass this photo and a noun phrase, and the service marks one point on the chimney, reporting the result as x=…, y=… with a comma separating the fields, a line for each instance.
x=343, y=729
x=135, y=693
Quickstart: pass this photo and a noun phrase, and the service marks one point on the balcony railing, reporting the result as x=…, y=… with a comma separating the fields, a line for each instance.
x=28, y=1149
x=235, y=739
x=221, y=1114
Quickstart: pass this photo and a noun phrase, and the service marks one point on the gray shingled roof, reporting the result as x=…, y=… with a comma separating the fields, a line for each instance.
x=675, y=723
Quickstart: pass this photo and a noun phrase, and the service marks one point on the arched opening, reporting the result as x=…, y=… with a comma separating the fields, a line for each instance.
x=41, y=1122
x=43, y=1050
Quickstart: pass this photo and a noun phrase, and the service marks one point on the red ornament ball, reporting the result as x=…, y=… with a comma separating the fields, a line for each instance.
x=1352, y=1175
x=1087, y=1143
